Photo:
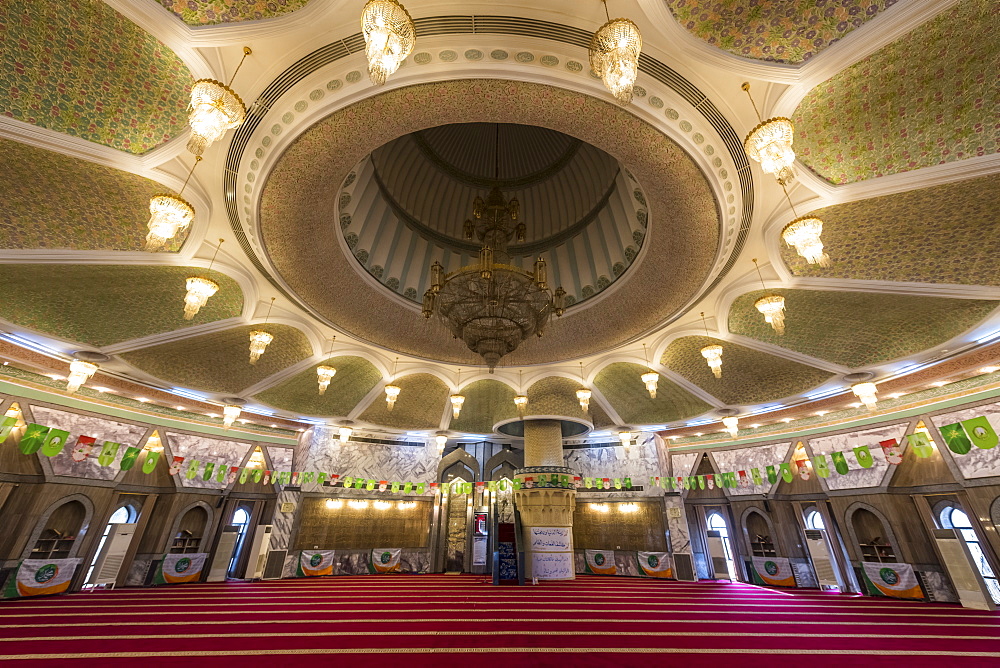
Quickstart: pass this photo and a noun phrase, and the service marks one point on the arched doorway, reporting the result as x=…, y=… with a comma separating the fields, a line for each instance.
x=716, y=522
x=124, y=515
x=953, y=517
x=241, y=519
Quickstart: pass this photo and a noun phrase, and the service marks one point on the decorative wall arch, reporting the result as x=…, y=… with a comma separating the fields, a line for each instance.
x=889, y=535
x=43, y=520
x=459, y=456
x=209, y=522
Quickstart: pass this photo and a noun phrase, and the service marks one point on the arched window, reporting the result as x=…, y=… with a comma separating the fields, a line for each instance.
x=716, y=522
x=953, y=517
x=124, y=515
x=241, y=518
x=814, y=520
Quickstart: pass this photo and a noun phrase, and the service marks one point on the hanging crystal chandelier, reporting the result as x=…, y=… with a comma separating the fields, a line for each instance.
x=168, y=215
x=259, y=339
x=867, y=393
x=389, y=37
x=732, y=425
x=199, y=289
x=521, y=402
x=493, y=306
x=650, y=378
x=614, y=55
x=324, y=375
x=770, y=144
x=392, y=391
x=625, y=437
x=79, y=373
x=803, y=234
x=345, y=434
x=713, y=353
x=457, y=400
x=583, y=394
x=229, y=415
x=771, y=306
x=441, y=441
x=214, y=110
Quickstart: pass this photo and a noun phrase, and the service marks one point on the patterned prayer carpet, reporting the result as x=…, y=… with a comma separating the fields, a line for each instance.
x=447, y=620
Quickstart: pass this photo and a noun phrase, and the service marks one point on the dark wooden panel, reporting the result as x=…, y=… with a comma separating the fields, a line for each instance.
x=614, y=530
x=349, y=528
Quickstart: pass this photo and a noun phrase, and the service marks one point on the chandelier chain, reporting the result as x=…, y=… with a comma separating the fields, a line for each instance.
x=246, y=52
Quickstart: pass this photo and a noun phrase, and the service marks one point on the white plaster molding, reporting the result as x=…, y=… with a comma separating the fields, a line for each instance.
x=171, y=336
x=374, y=394
x=598, y=397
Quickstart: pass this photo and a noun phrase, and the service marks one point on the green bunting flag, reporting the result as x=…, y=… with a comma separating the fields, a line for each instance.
x=6, y=426
x=981, y=433
x=786, y=472
x=864, y=456
x=152, y=457
x=54, y=442
x=755, y=476
x=244, y=474
x=772, y=474
x=108, y=453
x=839, y=462
x=129, y=458
x=701, y=482
x=821, y=466
x=954, y=436
x=921, y=444
x=34, y=436
x=209, y=470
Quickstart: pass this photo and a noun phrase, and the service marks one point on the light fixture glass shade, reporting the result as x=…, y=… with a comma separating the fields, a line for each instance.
x=345, y=434
x=229, y=415
x=614, y=55
x=867, y=393
x=770, y=144
x=324, y=375
x=457, y=400
x=650, y=379
x=773, y=308
x=389, y=37
x=198, y=291
x=583, y=396
x=214, y=110
x=391, y=394
x=441, y=441
x=626, y=438
x=168, y=215
x=714, y=356
x=804, y=234
x=732, y=425
x=258, y=344
x=79, y=373
x=521, y=402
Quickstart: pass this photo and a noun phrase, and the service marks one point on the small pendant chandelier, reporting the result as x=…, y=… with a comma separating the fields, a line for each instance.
x=199, y=289
x=614, y=55
x=168, y=215
x=625, y=436
x=713, y=353
x=803, y=234
x=441, y=440
x=770, y=144
x=867, y=393
x=583, y=394
x=457, y=400
x=389, y=37
x=345, y=433
x=520, y=400
x=392, y=391
x=326, y=373
x=732, y=425
x=650, y=378
x=259, y=339
x=771, y=306
x=79, y=373
x=229, y=415
x=214, y=110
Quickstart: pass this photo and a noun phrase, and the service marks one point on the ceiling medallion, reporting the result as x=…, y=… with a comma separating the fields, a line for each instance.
x=392, y=391
x=772, y=306
x=259, y=339
x=713, y=353
x=79, y=373
x=770, y=144
x=324, y=373
x=199, y=289
x=493, y=306
x=614, y=55
x=168, y=215
x=650, y=378
x=214, y=110
x=389, y=37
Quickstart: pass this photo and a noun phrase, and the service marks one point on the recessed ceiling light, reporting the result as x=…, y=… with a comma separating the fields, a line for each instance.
x=213, y=415
x=786, y=420
x=273, y=426
x=244, y=421
x=142, y=399
x=300, y=429
x=180, y=408
x=755, y=425
x=985, y=369
x=822, y=413
x=939, y=383
x=697, y=433
x=55, y=376
x=673, y=438
x=896, y=395
x=856, y=404
x=102, y=390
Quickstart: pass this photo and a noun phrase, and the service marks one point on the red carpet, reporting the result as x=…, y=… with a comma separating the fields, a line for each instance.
x=444, y=620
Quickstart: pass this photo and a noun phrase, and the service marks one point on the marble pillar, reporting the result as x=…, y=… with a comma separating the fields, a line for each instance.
x=546, y=502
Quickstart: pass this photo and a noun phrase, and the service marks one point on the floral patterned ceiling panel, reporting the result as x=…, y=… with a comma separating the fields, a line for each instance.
x=555, y=396
x=354, y=379
x=486, y=403
x=944, y=234
x=621, y=385
x=789, y=31
x=132, y=301
x=209, y=12
x=80, y=68
x=748, y=376
x=420, y=405
x=826, y=324
x=928, y=98
x=220, y=361
x=72, y=204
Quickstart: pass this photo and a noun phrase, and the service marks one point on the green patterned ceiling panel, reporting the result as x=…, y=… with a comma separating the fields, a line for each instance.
x=355, y=378
x=942, y=234
x=928, y=98
x=827, y=325
x=620, y=383
x=209, y=12
x=748, y=376
x=132, y=301
x=220, y=361
x=790, y=31
x=81, y=68
x=598, y=416
x=72, y=204
x=486, y=403
x=555, y=396
x=420, y=404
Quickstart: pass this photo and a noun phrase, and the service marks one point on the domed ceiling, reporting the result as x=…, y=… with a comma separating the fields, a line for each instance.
x=335, y=197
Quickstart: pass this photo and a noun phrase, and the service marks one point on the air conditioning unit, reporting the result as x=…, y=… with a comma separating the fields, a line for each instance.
x=112, y=555
x=717, y=552
x=819, y=553
x=223, y=554
x=274, y=567
x=258, y=552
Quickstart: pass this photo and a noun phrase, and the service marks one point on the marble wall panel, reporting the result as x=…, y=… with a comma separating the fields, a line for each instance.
x=627, y=563
x=398, y=463
x=938, y=585
x=976, y=463
x=282, y=522
x=86, y=425
x=281, y=458
x=192, y=446
x=640, y=463
x=744, y=459
x=683, y=464
x=858, y=477
x=803, y=572
x=680, y=538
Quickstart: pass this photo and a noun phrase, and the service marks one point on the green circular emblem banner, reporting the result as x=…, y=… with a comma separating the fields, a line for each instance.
x=315, y=560
x=46, y=573
x=599, y=559
x=182, y=565
x=889, y=576
x=770, y=567
x=385, y=558
x=653, y=561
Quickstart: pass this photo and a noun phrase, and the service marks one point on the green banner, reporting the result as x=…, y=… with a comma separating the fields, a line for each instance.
x=954, y=436
x=981, y=433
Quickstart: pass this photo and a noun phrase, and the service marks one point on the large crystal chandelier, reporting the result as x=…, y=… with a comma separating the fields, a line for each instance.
x=772, y=307
x=259, y=339
x=214, y=110
x=493, y=306
x=803, y=234
x=199, y=289
x=168, y=215
x=79, y=373
x=389, y=37
x=614, y=55
x=770, y=144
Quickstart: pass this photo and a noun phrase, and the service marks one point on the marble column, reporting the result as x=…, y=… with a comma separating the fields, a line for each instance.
x=547, y=506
